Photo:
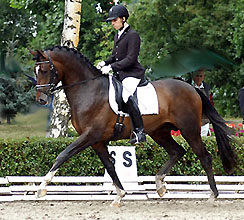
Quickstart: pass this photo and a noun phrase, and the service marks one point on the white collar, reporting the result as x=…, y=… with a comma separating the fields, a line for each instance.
x=199, y=87
x=120, y=32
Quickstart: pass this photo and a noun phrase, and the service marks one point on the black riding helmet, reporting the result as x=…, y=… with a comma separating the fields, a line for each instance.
x=117, y=11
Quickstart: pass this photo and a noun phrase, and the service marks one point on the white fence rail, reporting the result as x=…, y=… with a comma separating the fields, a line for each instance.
x=22, y=188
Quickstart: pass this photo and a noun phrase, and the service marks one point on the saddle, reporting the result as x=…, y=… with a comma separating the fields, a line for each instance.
x=118, y=93
x=122, y=107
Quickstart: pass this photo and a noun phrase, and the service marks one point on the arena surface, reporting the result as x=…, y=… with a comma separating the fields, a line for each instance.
x=130, y=210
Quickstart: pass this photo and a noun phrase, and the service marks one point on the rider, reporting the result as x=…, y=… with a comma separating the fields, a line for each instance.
x=124, y=61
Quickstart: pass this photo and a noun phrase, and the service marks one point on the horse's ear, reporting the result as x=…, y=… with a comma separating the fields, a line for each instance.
x=34, y=53
x=38, y=53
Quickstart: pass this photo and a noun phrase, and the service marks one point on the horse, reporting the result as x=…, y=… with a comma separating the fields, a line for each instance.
x=86, y=88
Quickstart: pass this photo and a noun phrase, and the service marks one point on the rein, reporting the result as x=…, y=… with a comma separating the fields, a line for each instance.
x=75, y=84
x=51, y=85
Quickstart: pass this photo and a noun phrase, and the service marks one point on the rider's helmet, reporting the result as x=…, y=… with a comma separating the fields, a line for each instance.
x=117, y=11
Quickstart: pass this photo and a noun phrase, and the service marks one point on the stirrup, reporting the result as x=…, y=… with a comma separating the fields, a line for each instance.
x=138, y=137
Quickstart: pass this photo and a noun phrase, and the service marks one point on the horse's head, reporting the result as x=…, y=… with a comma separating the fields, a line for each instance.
x=46, y=75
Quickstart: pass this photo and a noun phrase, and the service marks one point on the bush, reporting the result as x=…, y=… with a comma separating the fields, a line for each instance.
x=35, y=157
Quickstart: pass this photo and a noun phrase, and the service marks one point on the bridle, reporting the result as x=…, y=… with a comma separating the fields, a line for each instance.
x=51, y=86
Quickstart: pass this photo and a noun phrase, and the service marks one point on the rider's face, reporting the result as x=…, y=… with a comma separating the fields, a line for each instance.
x=199, y=77
x=117, y=23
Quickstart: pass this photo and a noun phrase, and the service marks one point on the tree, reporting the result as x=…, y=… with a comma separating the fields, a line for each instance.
x=15, y=93
x=49, y=18
x=15, y=24
x=169, y=26
x=164, y=27
x=70, y=37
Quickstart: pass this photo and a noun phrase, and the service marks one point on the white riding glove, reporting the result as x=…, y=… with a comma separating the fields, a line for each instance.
x=107, y=70
x=100, y=65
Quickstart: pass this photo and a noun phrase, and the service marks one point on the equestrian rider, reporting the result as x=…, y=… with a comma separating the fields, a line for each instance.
x=124, y=62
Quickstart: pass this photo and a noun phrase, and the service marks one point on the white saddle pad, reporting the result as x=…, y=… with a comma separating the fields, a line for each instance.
x=147, y=99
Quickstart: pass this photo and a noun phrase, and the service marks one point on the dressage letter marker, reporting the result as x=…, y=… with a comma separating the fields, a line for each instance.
x=124, y=159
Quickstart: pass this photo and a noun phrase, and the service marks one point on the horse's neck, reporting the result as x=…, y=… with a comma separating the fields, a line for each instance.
x=83, y=85
x=75, y=73
x=78, y=78
x=87, y=97
x=71, y=67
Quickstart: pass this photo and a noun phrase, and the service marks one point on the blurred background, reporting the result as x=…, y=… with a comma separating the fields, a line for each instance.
x=165, y=28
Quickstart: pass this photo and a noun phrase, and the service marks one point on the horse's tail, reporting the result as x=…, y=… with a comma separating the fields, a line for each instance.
x=222, y=132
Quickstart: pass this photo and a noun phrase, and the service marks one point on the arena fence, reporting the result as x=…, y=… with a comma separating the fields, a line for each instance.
x=22, y=188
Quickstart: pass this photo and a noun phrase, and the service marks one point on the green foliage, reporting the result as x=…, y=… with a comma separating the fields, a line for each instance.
x=164, y=27
x=96, y=38
x=15, y=24
x=13, y=97
x=15, y=92
x=35, y=156
x=106, y=45
x=237, y=26
x=169, y=26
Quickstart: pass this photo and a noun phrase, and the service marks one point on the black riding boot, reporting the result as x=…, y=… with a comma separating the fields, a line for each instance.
x=138, y=134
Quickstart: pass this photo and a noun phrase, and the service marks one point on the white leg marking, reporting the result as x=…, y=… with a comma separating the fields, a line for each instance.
x=119, y=196
x=43, y=186
x=160, y=185
x=212, y=198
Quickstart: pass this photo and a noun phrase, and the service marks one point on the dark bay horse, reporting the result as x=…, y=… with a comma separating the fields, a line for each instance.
x=180, y=107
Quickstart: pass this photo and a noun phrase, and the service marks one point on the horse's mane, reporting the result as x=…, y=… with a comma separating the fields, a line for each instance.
x=76, y=54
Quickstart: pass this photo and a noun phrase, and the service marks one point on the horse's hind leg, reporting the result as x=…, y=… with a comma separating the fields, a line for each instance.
x=198, y=147
x=175, y=152
x=102, y=151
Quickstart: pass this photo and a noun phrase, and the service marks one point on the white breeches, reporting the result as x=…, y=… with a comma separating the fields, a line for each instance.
x=205, y=130
x=129, y=87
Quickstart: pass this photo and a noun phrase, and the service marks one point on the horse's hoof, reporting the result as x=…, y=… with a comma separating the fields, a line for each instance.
x=115, y=204
x=212, y=199
x=41, y=193
x=161, y=191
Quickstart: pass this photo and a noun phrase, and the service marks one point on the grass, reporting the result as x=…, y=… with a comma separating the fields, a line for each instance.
x=26, y=125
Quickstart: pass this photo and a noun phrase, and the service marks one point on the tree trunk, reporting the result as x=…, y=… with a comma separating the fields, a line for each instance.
x=70, y=37
x=8, y=120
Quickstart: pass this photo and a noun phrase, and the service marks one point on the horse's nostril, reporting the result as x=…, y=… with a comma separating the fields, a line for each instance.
x=42, y=101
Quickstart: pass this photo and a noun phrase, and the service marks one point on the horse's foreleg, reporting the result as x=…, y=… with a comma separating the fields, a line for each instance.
x=102, y=152
x=119, y=196
x=42, y=191
x=72, y=149
x=175, y=152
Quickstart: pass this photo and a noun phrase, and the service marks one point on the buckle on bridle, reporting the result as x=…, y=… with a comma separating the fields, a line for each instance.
x=50, y=88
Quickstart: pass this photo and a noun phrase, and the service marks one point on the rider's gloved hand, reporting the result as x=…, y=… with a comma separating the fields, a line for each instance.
x=100, y=65
x=107, y=70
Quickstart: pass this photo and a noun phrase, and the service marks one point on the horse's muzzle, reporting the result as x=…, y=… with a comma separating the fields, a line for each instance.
x=42, y=99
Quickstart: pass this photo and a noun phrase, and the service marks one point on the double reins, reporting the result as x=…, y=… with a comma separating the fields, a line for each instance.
x=54, y=74
x=75, y=84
